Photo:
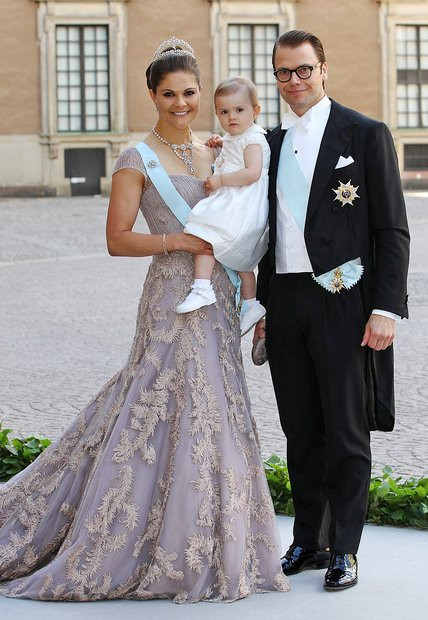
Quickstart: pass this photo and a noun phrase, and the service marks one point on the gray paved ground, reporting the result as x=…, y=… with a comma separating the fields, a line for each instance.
x=387, y=590
x=67, y=313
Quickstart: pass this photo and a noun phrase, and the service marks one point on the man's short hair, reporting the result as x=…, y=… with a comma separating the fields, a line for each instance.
x=294, y=38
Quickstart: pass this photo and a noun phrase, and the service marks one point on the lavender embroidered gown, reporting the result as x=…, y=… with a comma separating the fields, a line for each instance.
x=157, y=489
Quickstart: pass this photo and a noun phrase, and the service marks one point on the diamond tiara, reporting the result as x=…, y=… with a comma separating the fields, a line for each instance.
x=173, y=46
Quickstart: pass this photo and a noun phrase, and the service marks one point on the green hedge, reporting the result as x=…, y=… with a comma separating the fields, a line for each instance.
x=392, y=501
x=16, y=454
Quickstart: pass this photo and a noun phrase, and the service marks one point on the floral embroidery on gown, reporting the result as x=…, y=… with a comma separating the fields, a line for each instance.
x=157, y=488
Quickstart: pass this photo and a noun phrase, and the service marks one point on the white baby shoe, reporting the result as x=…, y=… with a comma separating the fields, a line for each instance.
x=250, y=315
x=197, y=298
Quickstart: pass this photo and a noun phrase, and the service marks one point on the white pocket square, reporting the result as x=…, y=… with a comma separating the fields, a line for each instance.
x=344, y=161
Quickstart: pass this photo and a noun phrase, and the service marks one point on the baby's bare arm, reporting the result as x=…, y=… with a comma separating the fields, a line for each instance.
x=253, y=159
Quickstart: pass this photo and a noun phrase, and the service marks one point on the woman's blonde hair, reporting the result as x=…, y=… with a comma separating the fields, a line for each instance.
x=233, y=84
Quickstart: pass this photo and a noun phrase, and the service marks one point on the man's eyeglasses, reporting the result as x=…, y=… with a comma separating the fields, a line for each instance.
x=304, y=72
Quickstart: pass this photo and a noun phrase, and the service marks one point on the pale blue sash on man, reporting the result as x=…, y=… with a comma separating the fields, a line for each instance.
x=174, y=201
x=296, y=190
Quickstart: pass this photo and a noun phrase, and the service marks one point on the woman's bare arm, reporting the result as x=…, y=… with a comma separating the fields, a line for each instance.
x=127, y=185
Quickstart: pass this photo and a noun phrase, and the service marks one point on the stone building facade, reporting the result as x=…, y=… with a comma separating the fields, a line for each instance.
x=73, y=92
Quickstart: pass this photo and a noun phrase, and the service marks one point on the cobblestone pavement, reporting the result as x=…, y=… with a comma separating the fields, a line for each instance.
x=67, y=315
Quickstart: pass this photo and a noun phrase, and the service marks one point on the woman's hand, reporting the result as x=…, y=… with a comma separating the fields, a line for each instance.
x=259, y=330
x=214, y=141
x=188, y=243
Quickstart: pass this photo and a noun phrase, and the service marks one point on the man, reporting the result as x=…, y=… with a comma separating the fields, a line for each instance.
x=333, y=282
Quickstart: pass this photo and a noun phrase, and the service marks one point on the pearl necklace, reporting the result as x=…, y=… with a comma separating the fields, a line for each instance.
x=180, y=151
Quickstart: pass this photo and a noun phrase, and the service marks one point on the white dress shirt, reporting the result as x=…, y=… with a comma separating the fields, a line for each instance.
x=290, y=251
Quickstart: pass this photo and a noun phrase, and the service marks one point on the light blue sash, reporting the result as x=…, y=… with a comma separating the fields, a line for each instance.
x=174, y=201
x=296, y=190
x=292, y=181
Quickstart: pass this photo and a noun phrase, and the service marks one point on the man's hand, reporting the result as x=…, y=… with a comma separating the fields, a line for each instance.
x=259, y=330
x=214, y=141
x=212, y=183
x=379, y=332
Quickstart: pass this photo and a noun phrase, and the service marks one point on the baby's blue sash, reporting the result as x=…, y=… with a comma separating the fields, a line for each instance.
x=296, y=190
x=174, y=201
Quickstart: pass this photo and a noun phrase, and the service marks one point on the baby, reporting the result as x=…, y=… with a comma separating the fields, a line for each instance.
x=233, y=218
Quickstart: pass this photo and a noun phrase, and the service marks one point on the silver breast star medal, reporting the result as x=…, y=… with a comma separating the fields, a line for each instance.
x=337, y=282
x=346, y=193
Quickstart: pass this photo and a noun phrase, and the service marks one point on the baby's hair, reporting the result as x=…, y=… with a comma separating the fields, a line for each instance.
x=233, y=84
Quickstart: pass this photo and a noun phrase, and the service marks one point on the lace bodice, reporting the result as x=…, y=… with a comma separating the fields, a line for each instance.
x=157, y=215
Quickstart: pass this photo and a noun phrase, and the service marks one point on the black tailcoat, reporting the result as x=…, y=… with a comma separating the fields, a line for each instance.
x=373, y=228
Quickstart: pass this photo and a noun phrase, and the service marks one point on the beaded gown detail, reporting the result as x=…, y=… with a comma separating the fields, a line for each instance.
x=157, y=488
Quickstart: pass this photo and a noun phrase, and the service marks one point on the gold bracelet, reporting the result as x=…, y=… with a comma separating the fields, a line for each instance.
x=164, y=246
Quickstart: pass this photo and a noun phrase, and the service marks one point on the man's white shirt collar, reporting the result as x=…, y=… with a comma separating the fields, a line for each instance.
x=290, y=118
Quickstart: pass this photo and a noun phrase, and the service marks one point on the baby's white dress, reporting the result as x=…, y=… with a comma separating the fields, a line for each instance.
x=235, y=219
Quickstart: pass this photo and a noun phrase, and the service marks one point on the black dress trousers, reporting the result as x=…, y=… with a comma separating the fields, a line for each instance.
x=318, y=367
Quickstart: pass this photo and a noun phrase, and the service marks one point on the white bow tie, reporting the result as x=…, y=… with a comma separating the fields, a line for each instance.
x=290, y=119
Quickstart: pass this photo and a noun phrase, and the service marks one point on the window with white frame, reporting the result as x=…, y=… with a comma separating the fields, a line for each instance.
x=82, y=78
x=250, y=55
x=412, y=75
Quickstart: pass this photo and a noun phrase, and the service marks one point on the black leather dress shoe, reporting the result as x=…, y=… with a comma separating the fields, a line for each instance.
x=342, y=572
x=298, y=558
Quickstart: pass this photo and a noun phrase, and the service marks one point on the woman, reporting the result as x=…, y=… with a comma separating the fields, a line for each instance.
x=157, y=490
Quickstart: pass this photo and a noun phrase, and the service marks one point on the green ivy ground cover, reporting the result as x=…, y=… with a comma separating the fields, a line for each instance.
x=16, y=454
x=392, y=501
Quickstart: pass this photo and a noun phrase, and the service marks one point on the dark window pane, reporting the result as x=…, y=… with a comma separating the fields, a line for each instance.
x=415, y=156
